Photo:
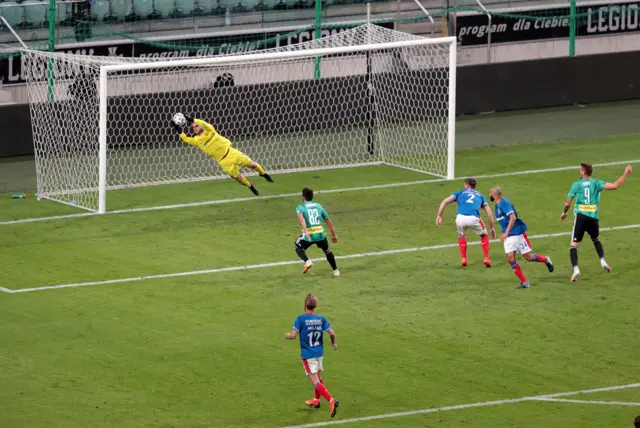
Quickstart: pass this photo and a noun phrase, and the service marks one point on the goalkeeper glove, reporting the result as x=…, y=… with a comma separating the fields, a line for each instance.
x=189, y=119
x=177, y=127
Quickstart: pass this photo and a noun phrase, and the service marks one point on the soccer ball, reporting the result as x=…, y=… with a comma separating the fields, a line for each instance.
x=179, y=119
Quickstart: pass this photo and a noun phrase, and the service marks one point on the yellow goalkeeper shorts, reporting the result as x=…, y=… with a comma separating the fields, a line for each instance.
x=232, y=162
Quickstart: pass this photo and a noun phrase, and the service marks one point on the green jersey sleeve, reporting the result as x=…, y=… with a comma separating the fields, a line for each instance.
x=575, y=188
x=599, y=185
x=324, y=213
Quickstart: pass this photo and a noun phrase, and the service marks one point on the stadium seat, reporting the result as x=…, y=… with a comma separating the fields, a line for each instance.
x=62, y=13
x=36, y=15
x=119, y=10
x=164, y=8
x=220, y=8
x=261, y=6
x=13, y=15
x=143, y=8
x=205, y=7
x=239, y=8
x=281, y=5
x=100, y=10
x=184, y=7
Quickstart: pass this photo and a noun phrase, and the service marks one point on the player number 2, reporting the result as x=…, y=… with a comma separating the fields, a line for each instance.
x=470, y=200
x=314, y=338
x=314, y=217
x=587, y=195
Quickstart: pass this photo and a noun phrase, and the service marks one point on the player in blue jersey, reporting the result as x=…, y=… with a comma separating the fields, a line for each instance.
x=310, y=327
x=311, y=215
x=470, y=202
x=514, y=236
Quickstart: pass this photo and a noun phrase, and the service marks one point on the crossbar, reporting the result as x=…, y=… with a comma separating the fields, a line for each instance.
x=276, y=55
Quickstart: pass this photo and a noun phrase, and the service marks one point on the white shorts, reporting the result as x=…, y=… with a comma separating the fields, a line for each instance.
x=464, y=222
x=518, y=243
x=312, y=365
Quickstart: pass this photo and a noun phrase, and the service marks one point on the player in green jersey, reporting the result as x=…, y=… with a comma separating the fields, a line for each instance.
x=311, y=214
x=586, y=191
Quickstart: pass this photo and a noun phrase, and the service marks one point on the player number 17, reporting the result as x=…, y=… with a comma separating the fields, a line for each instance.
x=314, y=338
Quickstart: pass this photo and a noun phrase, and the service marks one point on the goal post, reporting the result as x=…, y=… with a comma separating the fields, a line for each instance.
x=383, y=98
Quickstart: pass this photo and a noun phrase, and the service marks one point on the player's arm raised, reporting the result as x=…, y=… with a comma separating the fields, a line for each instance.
x=303, y=224
x=332, y=335
x=619, y=181
x=492, y=225
x=207, y=126
x=446, y=201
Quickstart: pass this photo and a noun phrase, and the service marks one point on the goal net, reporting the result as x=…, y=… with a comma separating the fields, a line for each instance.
x=367, y=96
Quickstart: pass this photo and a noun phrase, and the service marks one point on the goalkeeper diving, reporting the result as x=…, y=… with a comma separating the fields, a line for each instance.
x=207, y=139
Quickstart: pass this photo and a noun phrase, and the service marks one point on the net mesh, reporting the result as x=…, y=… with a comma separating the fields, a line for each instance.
x=288, y=113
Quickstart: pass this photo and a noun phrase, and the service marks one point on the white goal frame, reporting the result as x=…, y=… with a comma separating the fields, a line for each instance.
x=106, y=70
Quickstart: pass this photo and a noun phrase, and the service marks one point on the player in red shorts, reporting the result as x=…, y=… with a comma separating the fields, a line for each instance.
x=310, y=327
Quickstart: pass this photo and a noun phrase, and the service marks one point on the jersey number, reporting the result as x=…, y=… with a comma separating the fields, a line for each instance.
x=314, y=338
x=470, y=200
x=314, y=217
x=587, y=196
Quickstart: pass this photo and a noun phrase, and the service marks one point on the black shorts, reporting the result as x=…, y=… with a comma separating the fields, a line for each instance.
x=582, y=224
x=304, y=244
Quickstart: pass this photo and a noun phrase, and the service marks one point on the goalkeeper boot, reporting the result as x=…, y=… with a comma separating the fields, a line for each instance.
x=267, y=177
x=315, y=403
x=254, y=190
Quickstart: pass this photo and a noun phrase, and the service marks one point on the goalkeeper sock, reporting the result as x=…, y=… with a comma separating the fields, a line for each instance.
x=259, y=169
x=245, y=181
x=599, y=249
x=462, y=243
x=332, y=260
x=573, y=255
x=516, y=269
x=300, y=252
x=538, y=258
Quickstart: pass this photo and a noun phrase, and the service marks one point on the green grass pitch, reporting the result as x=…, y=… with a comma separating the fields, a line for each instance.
x=416, y=331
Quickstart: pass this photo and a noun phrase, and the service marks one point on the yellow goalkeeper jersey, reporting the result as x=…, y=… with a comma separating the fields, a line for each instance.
x=209, y=141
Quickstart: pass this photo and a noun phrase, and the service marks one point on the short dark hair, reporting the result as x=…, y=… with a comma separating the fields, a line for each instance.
x=636, y=423
x=471, y=182
x=310, y=302
x=588, y=168
x=307, y=194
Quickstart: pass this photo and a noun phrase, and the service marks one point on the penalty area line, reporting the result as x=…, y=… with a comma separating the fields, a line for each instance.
x=547, y=397
x=290, y=195
x=287, y=262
